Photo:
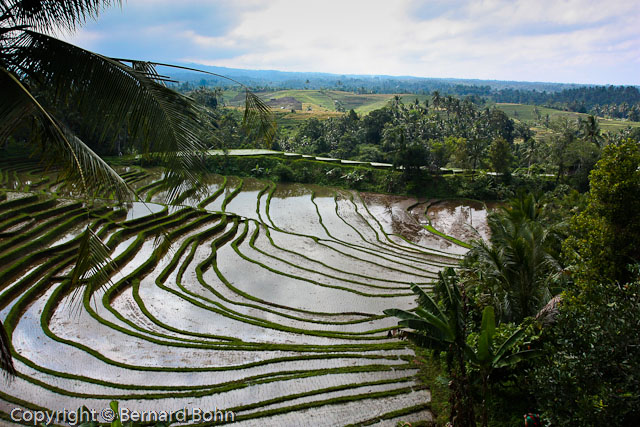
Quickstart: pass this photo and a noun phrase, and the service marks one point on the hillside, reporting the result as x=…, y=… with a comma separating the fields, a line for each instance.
x=323, y=104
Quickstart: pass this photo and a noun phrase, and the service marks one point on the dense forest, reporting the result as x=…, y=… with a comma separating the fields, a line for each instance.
x=604, y=101
x=449, y=132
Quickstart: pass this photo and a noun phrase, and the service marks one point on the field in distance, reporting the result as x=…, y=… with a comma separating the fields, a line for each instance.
x=323, y=104
x=527, y=113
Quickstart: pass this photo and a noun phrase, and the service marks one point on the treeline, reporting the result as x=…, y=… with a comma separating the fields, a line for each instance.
x=408, y=135
x=420, y=137
x=456, y=133
x=621, y=102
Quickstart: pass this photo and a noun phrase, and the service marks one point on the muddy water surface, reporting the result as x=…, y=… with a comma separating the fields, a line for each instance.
x=463, y=219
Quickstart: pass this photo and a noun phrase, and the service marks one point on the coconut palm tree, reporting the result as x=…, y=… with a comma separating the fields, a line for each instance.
x=517, y=269
x=590, y=131
x=39, y=71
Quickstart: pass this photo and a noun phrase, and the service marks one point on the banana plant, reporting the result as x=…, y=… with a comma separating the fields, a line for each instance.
x=442, y=327
x=486, y=359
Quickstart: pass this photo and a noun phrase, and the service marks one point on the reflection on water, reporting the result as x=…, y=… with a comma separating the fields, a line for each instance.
x=335, y=261
x=139, y=209
x=463, y=219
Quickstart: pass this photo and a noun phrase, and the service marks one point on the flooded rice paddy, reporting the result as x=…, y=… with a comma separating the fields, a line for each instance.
x=266, y=300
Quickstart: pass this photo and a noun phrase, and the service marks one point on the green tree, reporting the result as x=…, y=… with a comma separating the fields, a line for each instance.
x=500, y=156
x=590, y=372
x=605, y=237
x=471, y=152
x=444, y=327
x=565, y=135
x=441, y=150
x=517, y=271
x=589, y=375
x=590, y=130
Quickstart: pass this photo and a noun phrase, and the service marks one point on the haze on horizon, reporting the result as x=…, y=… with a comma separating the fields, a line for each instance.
x=570, y=41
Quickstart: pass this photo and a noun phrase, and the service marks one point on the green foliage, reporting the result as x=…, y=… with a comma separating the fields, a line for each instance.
x=6, y=362
x=411, y=135
x=445, y=325
x=433, y=373
x=442, y=327
x=500, y=156
x=605, y=237
x=516, y=272
x=591, y=369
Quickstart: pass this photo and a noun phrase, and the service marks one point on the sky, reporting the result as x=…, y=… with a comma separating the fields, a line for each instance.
x=569, y=41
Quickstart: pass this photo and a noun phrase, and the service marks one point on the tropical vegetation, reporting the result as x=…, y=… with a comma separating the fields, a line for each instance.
x=585, y=369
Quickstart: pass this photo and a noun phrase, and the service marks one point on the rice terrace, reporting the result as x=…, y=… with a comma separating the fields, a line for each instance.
x=263, y=300
x=292, y=213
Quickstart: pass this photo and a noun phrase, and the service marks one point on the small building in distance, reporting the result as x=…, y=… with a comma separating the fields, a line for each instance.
x=285, y=103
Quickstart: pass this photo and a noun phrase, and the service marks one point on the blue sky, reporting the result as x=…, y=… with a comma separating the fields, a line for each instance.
x=574, y=41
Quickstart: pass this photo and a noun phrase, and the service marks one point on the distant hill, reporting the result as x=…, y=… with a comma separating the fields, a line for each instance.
x=620, y=102
x=353, y=82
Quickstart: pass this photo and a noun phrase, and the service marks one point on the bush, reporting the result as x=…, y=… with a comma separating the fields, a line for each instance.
x=283, y=173
x=591, y=372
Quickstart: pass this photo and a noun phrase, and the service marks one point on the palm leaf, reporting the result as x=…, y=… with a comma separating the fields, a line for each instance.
x=81, y=165
x=15, y=106
x=258, y=118
x=6, y=362
x=47, y=15
x=110, y=93
x=94, y=265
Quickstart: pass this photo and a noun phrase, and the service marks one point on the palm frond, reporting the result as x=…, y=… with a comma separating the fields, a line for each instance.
x=14, y=105
x=6, y=362
x=258, y=116
x=94, y=265
x=110, y=93
x=80, y=164
x=48, y=15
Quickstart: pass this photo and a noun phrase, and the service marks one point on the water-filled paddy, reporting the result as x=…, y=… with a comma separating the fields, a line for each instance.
x=463, y=219
x=273, y=304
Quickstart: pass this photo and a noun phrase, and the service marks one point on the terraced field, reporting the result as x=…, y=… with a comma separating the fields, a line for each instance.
x=264, y=300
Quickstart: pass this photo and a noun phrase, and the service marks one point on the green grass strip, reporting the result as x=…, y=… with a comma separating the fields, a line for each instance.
x=231, y=195
x=452, y=239
x=203, y=204
x=393, y=414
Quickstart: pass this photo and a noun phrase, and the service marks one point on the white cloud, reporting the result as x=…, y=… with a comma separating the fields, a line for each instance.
x=553, y=40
